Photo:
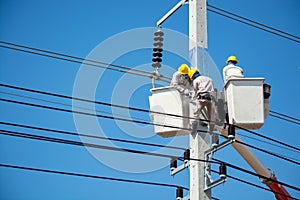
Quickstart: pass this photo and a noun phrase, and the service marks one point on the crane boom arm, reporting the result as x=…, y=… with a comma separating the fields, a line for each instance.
x=278, y=190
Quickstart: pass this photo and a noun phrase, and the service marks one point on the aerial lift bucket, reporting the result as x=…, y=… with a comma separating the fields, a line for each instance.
x=169, y=111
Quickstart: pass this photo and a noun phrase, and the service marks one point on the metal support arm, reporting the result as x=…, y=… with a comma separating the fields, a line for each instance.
x=180, y=168
x=166, y=16
x=215, y=183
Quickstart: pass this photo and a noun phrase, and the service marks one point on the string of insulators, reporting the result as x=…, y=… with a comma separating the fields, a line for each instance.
x=157, y=50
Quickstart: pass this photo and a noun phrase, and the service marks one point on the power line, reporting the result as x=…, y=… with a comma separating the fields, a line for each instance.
x=133, y=108
x=268, y=152
x=90, y=136
x=99, y=62
x=255, y=185
x=285, y=119
x=64, y=104
x=255, y=26
x=70, y=142
x=74, y=57
x=92, y=176
x=83, y=62
x=268, y=138
x=252, y=21
x=284, y=157
x=74, y=61
x=149, y=144
x=151, y=74
x=255, y=174
x=138, y=109
x=284, y=115
x=97, y=146
x=269, y=143
x=94, y=115
x=129, y=120
x=148, y=123
x=92, y=101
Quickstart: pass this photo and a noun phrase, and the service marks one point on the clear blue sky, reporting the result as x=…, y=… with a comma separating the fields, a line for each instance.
x=92, y=28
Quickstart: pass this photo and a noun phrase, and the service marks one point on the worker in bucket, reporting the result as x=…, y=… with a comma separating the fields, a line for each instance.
x=204, y=100
x=231, y=70
x=181, y=80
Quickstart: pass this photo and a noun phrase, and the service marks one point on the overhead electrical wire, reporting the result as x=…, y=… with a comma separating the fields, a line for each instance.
x=113, y=139
x=284, y=115
x=92, y=176
x=70, y=142
x=269, y=143
x=90, y=136
x=79, y=60
x=255, y=185
x=92, y=114
x=255, y=174
x=265, y=151
x=285, y=119
x=283, y=157
x=135, y=142
x=68, y=105
x=85, y=144
x=74, y=61
x=74, y=57
x=137, y=109
x=268, y=138
x=96, y=146
x=252, y=23
x=150, y=75
x=291, y=160
x=129, y=120
x=268, y=152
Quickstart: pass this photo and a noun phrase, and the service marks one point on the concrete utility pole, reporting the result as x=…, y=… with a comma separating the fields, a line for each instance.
x=199, y=142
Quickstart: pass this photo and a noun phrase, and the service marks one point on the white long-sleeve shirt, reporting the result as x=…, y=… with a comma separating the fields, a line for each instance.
x=180, y=82
x=232, y=71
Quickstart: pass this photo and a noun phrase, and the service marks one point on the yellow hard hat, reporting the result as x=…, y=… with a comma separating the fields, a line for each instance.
x=184, y=69
x=232, y=58
x=192, y=72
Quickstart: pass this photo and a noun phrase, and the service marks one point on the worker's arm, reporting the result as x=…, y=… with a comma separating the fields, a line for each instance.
x=175, y=83
x=195, y=86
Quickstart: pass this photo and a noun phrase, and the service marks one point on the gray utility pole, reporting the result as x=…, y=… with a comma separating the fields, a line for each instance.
x=199, y=142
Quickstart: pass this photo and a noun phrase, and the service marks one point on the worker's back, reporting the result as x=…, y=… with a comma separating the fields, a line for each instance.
x=232, y=71
x=202, y=85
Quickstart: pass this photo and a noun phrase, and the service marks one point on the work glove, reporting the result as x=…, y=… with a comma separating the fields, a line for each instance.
x=186, y=92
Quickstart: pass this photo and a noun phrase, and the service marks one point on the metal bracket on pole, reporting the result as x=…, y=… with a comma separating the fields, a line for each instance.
x=180, y=168
x=186, y=164
x=215, y=183
x=219, y=146
x=166, y=16
x=209, y=182
x=184, y=198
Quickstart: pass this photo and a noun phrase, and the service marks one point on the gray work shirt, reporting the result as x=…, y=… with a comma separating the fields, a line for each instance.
x=202, y=85
x=180, y=82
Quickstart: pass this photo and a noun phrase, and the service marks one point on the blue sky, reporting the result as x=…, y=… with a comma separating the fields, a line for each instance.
x=92, y=29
